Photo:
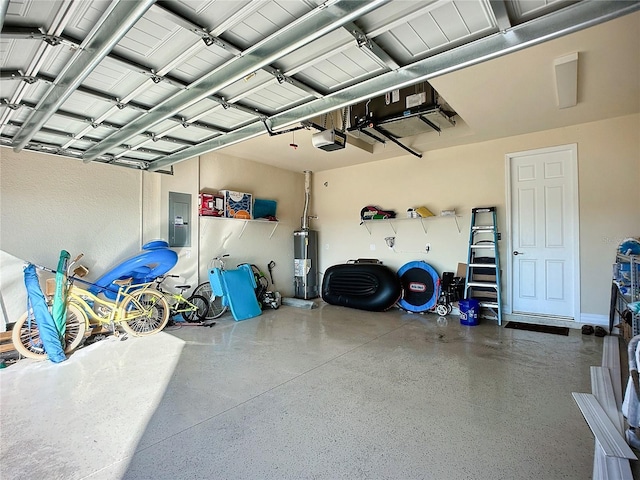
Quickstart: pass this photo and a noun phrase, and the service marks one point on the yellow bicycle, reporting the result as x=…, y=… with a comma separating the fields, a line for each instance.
x=137, y=308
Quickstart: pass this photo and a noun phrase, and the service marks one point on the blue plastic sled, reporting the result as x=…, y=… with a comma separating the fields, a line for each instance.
x=237, y=289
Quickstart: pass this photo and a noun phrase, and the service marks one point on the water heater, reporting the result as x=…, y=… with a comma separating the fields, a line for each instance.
x=305, y=251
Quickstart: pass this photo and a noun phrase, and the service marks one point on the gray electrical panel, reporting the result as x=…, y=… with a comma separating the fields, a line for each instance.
x=179, y=219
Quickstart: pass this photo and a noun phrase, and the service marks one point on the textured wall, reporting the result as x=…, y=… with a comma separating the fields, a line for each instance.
x=50, y=203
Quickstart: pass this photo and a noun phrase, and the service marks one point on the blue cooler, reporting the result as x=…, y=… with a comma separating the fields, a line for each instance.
x=469, y=311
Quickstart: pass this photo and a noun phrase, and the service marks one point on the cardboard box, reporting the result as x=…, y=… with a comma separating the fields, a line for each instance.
x=461, y=270
x=237, y=204
x=625, y=330
x=487, y=296
x=483, y=278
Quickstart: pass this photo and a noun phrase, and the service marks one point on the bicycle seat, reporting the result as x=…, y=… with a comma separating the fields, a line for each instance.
x=183, y=287
x=124, y=281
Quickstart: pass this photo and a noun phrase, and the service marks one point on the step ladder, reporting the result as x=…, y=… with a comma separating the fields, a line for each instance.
x=483, y=262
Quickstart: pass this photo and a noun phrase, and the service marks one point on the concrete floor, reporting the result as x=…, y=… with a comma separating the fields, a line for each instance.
x=329, y=393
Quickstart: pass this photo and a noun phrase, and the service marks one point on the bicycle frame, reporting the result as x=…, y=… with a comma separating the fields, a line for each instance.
x=123, y=309
x=177, y=302
x=182, y=302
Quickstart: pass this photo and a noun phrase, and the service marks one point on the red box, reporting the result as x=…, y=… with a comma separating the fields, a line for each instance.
x=205, y=205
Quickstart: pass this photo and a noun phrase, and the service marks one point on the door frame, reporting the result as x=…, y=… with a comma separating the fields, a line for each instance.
x=575, y=218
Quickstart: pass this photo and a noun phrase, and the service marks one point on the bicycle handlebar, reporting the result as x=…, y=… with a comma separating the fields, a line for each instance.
x=73, y=278
x=50, y=270
x=40, y=267
x=161, y=278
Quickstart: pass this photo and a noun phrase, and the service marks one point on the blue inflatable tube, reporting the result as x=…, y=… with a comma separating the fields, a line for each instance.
x=156, y=259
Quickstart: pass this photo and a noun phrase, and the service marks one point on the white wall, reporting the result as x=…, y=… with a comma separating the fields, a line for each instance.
x=474, y=175
x=50, y=203
x=253, y=245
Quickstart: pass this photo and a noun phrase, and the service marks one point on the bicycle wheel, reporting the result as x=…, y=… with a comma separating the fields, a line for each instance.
x=151, y=319
x=26, y=338
x=200, y=314
x=216, y=308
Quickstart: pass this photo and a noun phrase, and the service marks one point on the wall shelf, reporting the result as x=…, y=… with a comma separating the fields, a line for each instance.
x=392, y=222
x=246, y=222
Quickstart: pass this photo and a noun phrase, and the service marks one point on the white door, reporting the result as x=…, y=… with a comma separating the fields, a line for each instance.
x=544, y=254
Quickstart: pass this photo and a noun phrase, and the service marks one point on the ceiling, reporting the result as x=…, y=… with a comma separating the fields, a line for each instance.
x=147, y=84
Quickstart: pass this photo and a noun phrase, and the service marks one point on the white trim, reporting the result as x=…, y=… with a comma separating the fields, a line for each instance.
x=506, y=299
x=611, y=360
x=612, y=442
x=602, y=388
x=573, y=148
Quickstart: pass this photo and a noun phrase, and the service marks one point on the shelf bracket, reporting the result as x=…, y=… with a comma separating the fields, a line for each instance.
x=424, y=227
x=366, y=224
x=244, y=225
x=274, y=230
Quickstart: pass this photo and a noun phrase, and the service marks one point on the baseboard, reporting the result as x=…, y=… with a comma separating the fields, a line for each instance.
x=593, y=319
x=542, y=320
x=585, y=318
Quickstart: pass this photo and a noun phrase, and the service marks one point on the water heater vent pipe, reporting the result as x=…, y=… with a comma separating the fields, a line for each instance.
x=307, y=196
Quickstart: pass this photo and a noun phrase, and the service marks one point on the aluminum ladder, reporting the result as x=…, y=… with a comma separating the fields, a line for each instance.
x=482, y=282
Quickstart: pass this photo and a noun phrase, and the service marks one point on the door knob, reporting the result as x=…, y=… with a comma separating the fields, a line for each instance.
x=515, y=252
